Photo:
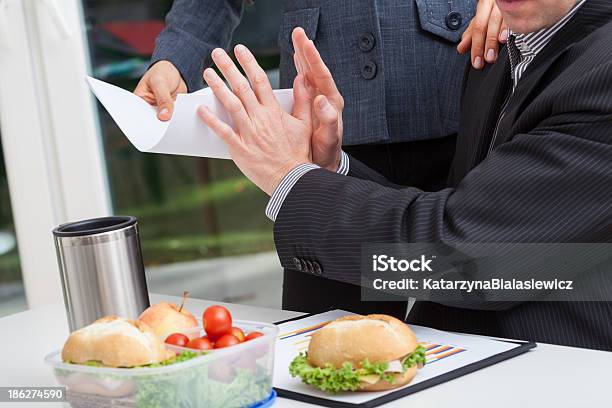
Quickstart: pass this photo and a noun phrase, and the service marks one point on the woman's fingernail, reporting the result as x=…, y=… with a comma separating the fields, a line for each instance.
x=503, y=37
x=240, y=49
x=217, y=52
x=491, y=55
x=163, y=111
x=478, y=63
x=208, y=73
x=203, y=110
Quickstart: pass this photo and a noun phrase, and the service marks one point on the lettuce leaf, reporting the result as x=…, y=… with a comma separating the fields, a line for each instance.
x=330, y=379
x=417, y=357
x=347, y=378
x=197, y=387
x=179, y=358
x=183, y=356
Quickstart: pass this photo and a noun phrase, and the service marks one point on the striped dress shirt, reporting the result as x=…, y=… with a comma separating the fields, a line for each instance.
x=523, y=48
x=287, y=183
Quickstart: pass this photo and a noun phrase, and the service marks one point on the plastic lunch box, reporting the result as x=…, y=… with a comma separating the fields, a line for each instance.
x=236, y=376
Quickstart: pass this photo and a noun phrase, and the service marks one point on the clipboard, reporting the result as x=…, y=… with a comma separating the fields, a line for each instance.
x=520, y=348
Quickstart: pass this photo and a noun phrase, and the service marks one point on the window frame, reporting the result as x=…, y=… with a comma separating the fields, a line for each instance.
x=50, y=135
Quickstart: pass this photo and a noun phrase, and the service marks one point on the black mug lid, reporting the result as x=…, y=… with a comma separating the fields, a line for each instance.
x=94, y=226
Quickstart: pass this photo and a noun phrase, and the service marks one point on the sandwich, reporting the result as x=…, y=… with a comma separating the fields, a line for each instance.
x=115, y=342
x=360, y=353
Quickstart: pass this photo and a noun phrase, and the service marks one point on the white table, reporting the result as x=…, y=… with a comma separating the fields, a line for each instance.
x=549, y=376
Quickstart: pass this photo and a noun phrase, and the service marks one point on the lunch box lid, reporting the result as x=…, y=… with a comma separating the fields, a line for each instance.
x=268, y=402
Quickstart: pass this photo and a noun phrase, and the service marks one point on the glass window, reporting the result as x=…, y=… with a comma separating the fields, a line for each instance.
x=202, y=223
x=12, y=295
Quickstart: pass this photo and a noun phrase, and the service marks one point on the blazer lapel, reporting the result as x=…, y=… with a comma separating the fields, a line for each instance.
x=484, y=93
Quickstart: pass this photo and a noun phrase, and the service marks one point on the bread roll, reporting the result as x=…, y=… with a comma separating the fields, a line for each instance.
x=115, y=342
x=378, y=338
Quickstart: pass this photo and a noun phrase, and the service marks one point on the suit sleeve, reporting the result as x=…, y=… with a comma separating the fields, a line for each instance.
x=550, y=185
x=193, y=29
x=359, y=170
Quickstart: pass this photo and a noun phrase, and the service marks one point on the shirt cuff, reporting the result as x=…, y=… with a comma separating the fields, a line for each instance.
x=344, y=164
x=285, y=186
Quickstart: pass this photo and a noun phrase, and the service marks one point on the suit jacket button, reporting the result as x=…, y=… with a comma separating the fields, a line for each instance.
x=309, y=266
x=304, y=266
x=454, y=19
x=317, y=268
x=297, y=264
x=366, y=42
x=368, y=70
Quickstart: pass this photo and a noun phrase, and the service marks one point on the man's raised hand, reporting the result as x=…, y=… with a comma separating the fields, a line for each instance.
x=326, y=99
x=265, y=142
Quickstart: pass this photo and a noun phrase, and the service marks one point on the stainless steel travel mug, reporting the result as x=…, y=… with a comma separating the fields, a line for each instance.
x=101, y=269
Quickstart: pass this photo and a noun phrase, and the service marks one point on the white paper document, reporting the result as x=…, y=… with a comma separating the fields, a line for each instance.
x=185, y=134
x=444, y=351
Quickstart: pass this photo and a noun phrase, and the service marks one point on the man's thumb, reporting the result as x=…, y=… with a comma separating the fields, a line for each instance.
x=327, y=115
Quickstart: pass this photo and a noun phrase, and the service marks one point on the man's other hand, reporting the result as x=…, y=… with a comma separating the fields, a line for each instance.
x=265, y=142
x=482, y=37
x=159, y=87
x=328, y=102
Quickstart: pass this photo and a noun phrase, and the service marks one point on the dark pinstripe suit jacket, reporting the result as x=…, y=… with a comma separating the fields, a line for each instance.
x=548, y=179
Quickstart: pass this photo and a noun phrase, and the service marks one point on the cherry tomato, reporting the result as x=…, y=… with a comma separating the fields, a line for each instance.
x=200, y=343
x=226, y=340
x=217, y=321
x=253, y=335
x=237, y=331
x=177, y=339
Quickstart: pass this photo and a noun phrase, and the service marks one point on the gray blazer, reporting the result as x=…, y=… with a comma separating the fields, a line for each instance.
x=393, y=60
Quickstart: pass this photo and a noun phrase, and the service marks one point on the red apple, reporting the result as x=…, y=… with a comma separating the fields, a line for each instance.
x=167, y=318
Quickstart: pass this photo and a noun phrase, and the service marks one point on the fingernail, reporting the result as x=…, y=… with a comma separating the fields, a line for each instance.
x=240, y=49
x=217, y=52
x=503, y=37
x=203, y=110
x=208, y=73
x=163, y=112
x=478, y=63
x=491, y=55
